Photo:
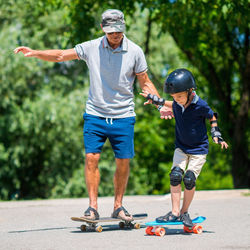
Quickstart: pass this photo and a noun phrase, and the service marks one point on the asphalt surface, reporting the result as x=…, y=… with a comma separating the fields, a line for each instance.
x=46, y=224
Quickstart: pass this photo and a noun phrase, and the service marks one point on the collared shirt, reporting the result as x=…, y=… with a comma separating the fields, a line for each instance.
x=112, y=74
x=190, y=127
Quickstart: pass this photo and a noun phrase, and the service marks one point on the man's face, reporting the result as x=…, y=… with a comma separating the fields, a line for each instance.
x=115, y=38
x=180, y=97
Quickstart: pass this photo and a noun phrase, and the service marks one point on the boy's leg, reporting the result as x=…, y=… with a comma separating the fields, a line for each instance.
x=176, y=199
x=188, y=197
x=195, y=165
x=179, y=164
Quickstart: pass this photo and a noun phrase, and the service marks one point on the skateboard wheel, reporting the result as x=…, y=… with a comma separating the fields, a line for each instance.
x=137, y=226
x=149, y=231
x=160, y=231
x=121, y=224
x=187, y=229
x=131, y=225
x=197, y=229
x=99, y=229
x=83, y=228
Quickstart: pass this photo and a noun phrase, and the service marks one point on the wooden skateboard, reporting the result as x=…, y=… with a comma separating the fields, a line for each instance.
x=92, y=225
x=156, y=228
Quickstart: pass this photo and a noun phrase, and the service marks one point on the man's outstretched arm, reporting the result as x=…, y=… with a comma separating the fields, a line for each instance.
x=53, y=55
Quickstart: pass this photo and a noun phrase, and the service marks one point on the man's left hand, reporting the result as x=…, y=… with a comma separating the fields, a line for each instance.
x=166, y=113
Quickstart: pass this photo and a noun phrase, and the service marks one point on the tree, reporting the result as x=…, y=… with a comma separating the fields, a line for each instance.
x=214, y=36
x=41, y=102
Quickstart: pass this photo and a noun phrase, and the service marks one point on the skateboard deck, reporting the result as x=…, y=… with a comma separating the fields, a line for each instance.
x=156, y=228
x=92, y=225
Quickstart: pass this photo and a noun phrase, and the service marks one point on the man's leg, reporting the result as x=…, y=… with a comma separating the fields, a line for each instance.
x=94, y=138
x=121, y=137
x=92, y=178
x=120, y=182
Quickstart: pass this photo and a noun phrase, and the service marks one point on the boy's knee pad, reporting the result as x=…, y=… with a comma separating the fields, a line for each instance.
x=176, y=176
x=189, y=180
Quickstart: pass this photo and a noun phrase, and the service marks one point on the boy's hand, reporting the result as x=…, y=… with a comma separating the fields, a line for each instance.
x=145, y=94
x=224, y=145
x=28, y=52
x=216, y=135
x=166, y=112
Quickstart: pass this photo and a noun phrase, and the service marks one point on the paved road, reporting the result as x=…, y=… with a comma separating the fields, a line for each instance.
x=46, y=224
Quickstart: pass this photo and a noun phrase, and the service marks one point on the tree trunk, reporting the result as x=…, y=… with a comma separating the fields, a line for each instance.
x=241, y=162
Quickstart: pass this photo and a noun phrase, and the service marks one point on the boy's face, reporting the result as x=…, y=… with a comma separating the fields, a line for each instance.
x=180, y=97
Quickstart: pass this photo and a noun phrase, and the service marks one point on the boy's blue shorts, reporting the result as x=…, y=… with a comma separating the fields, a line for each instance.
x=120, y=133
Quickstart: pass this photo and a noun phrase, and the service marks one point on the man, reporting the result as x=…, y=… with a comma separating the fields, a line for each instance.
x=113, y=61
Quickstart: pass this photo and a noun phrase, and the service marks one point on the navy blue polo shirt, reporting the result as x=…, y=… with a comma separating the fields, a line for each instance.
x=190, y=128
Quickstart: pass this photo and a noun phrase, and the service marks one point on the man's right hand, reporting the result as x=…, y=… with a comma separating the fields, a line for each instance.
x=28, y=52
x=166, y=113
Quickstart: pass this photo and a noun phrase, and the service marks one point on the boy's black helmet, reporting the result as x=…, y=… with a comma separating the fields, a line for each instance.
x=178, y=81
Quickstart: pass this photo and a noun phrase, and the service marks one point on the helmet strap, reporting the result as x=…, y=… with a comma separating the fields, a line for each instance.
x=189, y=92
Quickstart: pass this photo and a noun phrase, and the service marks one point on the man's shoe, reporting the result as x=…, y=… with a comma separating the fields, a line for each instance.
x=91, y=216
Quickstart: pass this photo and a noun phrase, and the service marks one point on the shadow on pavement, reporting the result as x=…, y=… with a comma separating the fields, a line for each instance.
x=40, y=229
x=108, y=228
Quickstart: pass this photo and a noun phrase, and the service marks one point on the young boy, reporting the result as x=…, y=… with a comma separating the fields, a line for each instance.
x=191, y=144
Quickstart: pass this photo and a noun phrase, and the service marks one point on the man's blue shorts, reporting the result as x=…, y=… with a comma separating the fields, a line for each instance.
x=120, y=133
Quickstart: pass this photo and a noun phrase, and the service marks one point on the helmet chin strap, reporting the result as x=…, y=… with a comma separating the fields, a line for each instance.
x=189, y=94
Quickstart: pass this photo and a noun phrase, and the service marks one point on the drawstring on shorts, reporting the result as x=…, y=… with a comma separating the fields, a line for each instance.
x=109, y=121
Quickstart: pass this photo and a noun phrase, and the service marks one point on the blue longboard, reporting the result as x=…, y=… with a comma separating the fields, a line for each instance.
x=155, y=228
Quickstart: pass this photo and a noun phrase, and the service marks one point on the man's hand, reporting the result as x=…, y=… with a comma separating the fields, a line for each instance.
x=166, y=113
x=145, y=94
x=28, y=52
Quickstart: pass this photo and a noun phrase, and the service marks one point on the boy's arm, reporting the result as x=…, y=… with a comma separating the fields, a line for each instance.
x=48, y=55
x=215, y=132
x=148, y=88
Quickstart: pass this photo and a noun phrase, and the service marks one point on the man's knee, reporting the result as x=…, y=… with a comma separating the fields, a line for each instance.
x=91, y=161
x=189, y=180
x=176, y=176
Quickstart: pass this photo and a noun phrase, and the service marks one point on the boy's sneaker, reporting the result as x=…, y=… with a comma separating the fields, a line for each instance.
x=168, y=217
x=185, y=218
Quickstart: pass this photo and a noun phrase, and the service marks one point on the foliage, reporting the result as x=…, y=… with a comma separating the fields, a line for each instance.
x=41, y=146
x=214, y=36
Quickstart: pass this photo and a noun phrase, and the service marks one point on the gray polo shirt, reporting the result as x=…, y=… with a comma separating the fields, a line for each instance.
x=112, y=74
